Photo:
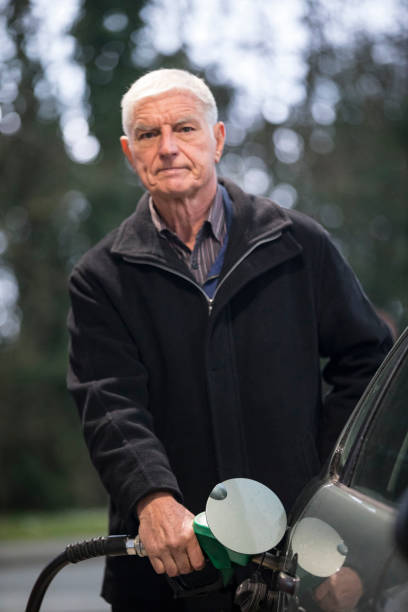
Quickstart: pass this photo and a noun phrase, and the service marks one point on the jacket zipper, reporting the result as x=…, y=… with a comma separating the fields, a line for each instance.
x=179, y=274
x=241, y=259
x=210, y=301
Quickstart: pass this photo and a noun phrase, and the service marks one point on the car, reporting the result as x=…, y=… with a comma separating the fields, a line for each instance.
x=342, y=541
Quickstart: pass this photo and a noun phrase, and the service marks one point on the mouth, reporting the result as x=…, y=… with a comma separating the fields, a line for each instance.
x=171, y=170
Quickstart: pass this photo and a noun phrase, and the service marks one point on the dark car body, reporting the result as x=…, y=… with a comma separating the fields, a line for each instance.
x=343, y=525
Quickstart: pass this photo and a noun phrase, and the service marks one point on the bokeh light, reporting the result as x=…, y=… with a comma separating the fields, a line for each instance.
x=10, y=317
x=285, y=195
x=288, y=145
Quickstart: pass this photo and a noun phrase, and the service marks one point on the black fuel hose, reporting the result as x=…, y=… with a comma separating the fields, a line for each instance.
x=116, y=545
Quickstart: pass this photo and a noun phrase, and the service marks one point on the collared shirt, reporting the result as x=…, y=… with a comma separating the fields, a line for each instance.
x=208, y=242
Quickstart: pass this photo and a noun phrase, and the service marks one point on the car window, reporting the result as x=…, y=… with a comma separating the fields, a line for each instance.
x=361, y=416
x=369, y=399
x=381, y=469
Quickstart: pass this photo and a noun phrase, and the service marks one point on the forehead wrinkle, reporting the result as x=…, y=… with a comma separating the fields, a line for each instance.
x=171, y=109
x=143, y=127
x=187, y=119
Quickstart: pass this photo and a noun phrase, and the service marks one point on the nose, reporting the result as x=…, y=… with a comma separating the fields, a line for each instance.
x=168, y=142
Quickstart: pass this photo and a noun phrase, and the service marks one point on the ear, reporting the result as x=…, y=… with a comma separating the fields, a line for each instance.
x=124, y=141
x=219, y=134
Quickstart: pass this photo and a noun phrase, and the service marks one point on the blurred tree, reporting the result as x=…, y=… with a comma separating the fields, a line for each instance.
x=340, y=154
x=34, y=445
x=355, y=177
x=46, y=199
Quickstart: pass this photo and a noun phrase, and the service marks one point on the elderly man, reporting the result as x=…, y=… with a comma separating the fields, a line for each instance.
x=197, y=329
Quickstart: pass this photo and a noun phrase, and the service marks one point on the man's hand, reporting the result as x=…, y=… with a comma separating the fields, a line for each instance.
x=341, y=592
x=166, y=530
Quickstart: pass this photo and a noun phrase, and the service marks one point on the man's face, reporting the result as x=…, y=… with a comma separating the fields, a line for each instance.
x=172, y=147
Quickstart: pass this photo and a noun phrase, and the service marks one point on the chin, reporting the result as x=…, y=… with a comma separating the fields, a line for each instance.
x=176, y=190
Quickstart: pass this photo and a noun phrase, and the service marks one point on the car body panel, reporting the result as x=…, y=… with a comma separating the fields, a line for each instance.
x=342, y=528
x=364, y=527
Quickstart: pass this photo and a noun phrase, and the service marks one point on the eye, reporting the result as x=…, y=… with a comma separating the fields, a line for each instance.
x=146, y=135
x=185, y=129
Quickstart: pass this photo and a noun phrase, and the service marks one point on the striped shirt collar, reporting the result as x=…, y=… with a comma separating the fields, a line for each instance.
x=215, y=219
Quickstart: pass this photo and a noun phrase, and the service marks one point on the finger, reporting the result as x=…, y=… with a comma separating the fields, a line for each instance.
x=170, y=566
x=196, y=556
x=183, y=564
x=157, y=565
x=165, y=565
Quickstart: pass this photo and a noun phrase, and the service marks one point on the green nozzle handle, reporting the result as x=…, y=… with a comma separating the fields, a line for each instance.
x=220, y=556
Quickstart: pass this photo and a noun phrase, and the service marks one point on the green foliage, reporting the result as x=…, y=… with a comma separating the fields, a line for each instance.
x=364, y=177
x=74, y=524
x=351, y=176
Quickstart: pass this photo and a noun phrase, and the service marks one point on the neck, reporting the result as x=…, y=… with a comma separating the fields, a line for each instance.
x=185, y=215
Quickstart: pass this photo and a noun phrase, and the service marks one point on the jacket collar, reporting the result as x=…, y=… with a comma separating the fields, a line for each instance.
x=254, y=219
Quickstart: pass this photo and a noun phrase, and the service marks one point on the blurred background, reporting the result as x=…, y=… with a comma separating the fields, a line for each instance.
x=314, y=94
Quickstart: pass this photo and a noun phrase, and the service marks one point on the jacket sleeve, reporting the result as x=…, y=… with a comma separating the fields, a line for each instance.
x=353, y=342
x=110, y=386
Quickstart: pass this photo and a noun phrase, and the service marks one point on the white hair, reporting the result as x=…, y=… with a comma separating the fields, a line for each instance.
x=167, y=79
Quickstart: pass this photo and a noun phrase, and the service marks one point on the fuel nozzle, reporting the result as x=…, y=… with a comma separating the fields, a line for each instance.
x=134, y=546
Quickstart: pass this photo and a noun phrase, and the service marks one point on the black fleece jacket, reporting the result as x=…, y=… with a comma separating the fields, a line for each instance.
x=178, y=392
